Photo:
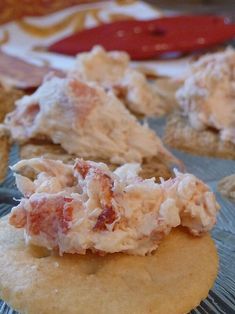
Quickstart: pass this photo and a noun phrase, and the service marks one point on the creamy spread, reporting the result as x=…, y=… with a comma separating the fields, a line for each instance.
x=85, y=206
x=112, y=71
x=207, y=96
x=86, y=121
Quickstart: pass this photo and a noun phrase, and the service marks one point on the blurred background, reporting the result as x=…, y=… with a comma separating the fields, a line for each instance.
x=197, y=6
x=15, y=9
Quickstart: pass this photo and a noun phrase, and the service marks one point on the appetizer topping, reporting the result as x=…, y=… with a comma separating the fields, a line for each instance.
x=88, y=207
x=85, y=121
x=112, y=71
x=208, y=94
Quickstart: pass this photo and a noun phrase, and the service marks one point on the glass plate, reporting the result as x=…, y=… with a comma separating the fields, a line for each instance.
x=221, y=298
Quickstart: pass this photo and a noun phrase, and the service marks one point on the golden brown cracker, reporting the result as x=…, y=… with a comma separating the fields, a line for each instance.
x=8, y=96
x=173, y=280
x=179, y=134
x=4, y=152
x=7, y=100
x=152, y=167
x=48, y=150
x=226, y=186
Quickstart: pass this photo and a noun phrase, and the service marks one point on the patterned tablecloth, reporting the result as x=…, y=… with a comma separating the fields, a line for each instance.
x=14, y=9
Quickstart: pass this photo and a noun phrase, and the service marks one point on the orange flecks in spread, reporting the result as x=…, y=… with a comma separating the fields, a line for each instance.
x=82, y=167
x=106, y=185
x=19, y=217
x=49, y=216
x=108, y=212
x=65, y=214
x=105, y=193
x=107, y=216
x=88, y=99
x=31, y=112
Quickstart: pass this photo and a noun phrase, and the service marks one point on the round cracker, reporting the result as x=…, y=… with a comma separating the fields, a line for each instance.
x=151, y=167
x=173, y=280
x=181, y=135
x=4, y=151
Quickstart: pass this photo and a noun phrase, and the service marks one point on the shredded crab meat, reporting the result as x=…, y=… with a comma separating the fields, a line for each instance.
x=207, y=96
x=103, y=211
x=85, y=121
x=112, y=71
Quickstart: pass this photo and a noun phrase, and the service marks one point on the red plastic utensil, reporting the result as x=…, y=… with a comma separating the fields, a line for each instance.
x=148, y=39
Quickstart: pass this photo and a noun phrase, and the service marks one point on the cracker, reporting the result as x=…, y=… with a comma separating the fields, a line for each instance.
x=173, y=280
x=48, y=150
x=7, y=100
x=179, y=134
x=152, y=167
x=4, y=152
x=226, y=186
x=7, y=104
x=155, y=167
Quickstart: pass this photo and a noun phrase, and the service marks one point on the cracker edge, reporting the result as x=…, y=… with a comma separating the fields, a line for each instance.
x=5, y=146
x=153, y=167
x=189, y=305
x=180, y=135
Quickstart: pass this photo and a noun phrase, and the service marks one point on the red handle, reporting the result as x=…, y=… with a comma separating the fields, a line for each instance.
x=151, y=38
